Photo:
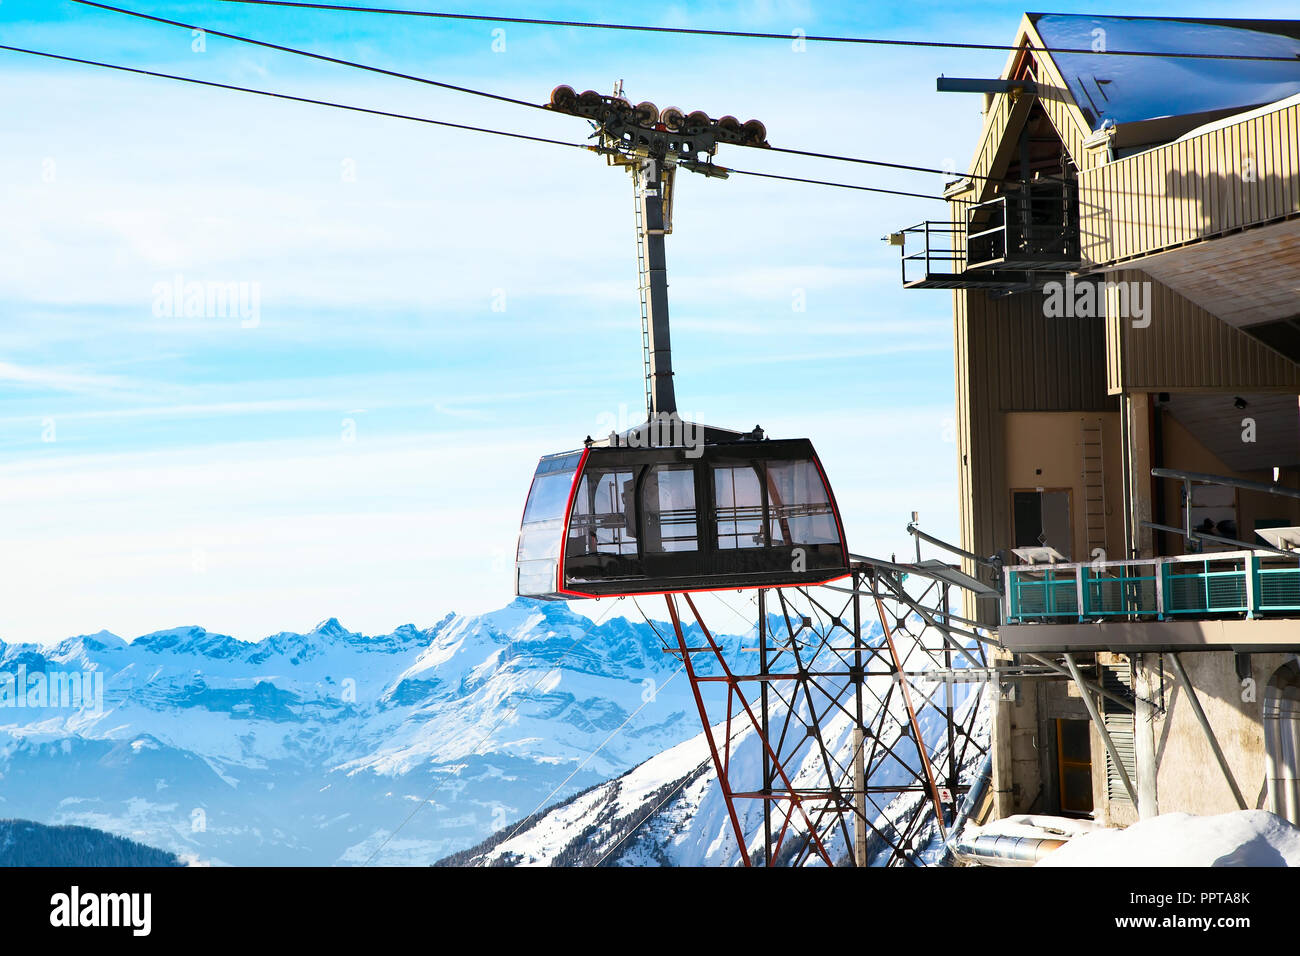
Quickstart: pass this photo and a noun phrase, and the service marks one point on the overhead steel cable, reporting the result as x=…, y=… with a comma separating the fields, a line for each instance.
x=421, y=119
x=339, y=61
x=301, y=99
x=952, y=173
x=754, y=35
x=315, y=56
x=827, y=182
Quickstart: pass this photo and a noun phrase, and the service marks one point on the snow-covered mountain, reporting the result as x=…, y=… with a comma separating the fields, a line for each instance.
x=669, y=811
x=313, y=748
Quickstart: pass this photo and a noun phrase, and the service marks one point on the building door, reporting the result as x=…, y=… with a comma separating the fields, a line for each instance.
x=1074, y=765
x=1041, y=518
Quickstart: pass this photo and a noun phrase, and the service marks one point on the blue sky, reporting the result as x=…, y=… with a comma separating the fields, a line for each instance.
x=435, y=308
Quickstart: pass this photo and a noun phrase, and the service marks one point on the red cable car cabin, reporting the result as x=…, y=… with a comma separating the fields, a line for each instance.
x=610, y=521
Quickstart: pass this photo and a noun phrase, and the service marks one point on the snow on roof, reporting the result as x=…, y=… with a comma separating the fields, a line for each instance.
x=1125, y=89
x=1243, y=838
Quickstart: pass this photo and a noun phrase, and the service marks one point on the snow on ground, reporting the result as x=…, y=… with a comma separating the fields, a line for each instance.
x=1034, y=826
x=1243, y=838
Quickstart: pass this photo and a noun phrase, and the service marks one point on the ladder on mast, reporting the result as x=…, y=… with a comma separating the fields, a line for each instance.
x=643, y=288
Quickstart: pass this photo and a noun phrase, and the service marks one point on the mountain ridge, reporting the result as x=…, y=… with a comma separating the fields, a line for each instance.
x=312, y=747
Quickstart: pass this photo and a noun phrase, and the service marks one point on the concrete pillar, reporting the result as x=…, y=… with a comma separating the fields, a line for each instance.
x=1145, y=689
x=1001, y=779
x=1138, y=504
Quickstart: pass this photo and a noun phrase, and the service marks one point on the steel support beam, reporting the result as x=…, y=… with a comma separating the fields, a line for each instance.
x=1195, y=703
x=1101, y=728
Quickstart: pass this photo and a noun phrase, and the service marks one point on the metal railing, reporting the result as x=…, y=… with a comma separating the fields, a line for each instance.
x=941, y=261
x=942, y=252
x=1229, y=583
x=1035, y=226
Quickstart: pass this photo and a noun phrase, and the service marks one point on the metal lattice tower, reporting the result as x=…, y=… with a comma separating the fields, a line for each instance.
x=866, y=702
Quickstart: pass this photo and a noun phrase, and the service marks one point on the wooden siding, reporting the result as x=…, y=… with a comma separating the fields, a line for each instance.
x=1192, y=189
x=1011, y=357
x=1185, y=347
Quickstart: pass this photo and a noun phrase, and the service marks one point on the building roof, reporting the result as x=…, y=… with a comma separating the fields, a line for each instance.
x=1115, y=90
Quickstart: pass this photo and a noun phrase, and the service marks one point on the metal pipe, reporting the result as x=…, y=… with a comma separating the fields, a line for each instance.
x=1101, y=728
x=1202, y=536
x=983, y=774
x=1266, y=488
x=997, y=849
x=974, y=797
x=1282, y=742
x=939, y=543
x=1201, y=719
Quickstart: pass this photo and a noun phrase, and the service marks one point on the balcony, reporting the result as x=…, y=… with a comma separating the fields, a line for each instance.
x=1034, y=227
x=1013, y=243
x=940, y=263
x=1234, y=584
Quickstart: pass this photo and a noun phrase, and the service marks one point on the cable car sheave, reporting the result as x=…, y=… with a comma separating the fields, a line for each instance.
x=670, y=505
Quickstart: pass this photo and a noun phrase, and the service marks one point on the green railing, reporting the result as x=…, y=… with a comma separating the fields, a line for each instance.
x=1249, y=583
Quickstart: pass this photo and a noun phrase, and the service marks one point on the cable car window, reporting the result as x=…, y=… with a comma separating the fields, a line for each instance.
x=799, y=509
x=549, y=495
x=603, y=520
x=668, y=506
x=543, y=525
x=738, y=500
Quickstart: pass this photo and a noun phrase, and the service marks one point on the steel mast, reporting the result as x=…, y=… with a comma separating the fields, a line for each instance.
x=652, y=144
x=652, y=179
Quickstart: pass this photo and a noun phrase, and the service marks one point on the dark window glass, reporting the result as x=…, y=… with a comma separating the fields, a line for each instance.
x=739, y=500
x=669, y=510
x=603, y=520
x=799, y=509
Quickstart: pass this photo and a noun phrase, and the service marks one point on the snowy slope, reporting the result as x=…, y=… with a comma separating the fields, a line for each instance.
x=669, y=811
x=312, y=748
